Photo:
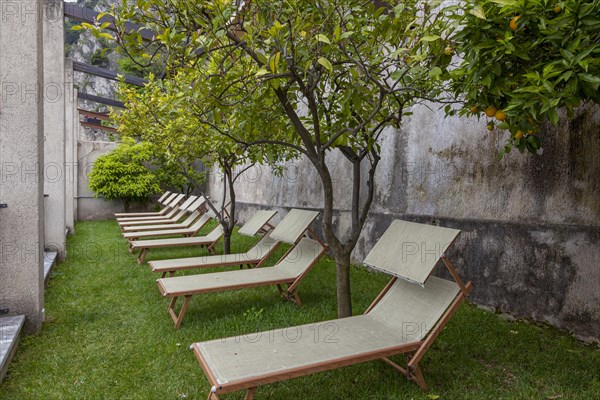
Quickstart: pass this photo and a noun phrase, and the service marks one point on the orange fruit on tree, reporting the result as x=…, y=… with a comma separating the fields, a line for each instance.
x=519, y=134
x=474, y=110
x=490, y=126
x=500, y=115
x=513, y=23
x=448, y=51
x=490, y=111
x=557, y=9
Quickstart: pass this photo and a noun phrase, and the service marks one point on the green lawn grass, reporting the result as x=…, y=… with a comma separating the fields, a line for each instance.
x=107, y=336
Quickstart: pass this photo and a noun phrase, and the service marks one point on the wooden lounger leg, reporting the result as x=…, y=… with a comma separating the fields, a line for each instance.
x=130, y=248
x=211, y=249
x=213, y=396
x=412, y=373
x=142, y=256
x=417, y=376
x=177, y=318
x=295, y=298
x=250, y=393
x=291, y=296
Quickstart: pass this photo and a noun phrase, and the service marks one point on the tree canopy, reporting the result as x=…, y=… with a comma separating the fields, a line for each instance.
x=524, y=60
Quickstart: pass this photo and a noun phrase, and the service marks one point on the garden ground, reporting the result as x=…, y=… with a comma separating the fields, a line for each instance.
x=107, y=335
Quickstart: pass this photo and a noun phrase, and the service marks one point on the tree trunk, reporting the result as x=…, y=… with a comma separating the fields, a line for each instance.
x=227, y=241
x=228, y=225
x=126, y=205
x=344, y=295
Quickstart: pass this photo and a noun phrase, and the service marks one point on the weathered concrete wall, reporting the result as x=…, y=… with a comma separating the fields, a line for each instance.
x=21, y=160
x=88, y=206
x=71, y=126
x=54, y=93
x=531, y=224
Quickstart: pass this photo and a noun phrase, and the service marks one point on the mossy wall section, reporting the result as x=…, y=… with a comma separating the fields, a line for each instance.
x=531, y=223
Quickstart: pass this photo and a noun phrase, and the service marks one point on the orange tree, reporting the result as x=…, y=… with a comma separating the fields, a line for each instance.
x=342, y=73
x=523, y=60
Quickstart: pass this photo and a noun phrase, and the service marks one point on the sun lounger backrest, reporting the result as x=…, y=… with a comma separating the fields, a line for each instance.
x=169, y=199
x=175, y=200
x=187, y=202
x=200, y=222
x=293, y=225
x=302, y=257
x=192, y=217
x=215, y=234
x=199, y=202
x=413, y=310
x=163, y=197
x=256, y=222
x=410, y=251
x=262, y=248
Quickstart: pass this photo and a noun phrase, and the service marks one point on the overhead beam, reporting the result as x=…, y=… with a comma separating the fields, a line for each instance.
x=100, y=100
x=107, y=73
x=99, y=127
x=92, y=114
x=83, y=14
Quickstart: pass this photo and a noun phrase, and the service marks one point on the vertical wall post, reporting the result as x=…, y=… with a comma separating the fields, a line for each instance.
x=22, y=160
x=70, y=141
x=54, y=95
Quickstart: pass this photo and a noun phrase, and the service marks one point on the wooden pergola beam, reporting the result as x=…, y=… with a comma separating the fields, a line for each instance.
x=100, y=100
x=107, y=73
x=93, y=114
x=99, y=127
x=83, y=14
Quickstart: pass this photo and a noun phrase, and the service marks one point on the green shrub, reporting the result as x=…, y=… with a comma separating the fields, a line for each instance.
x=123, y=174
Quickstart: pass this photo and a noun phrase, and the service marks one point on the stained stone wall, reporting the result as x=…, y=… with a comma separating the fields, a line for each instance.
x=531, y=224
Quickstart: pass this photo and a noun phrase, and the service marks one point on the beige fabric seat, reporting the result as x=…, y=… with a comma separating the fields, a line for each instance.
x=163, y=200
x=187, y=223
x=201, y=221
x=405, y=318
x=209, y=241
x=192, y=204
x=253, y=257
x=290, y=271
x=290, y=229
x=173, y=207
x=259, y=252
x=402, y=318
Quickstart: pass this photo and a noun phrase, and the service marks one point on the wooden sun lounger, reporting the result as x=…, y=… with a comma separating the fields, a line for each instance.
x=405, y=318
x=195, y=212
x=173, y=207
x=252, y=258
x=164, y=200
x=209, y=241
x=289, y=272
x=192, y=204
x=199, y=223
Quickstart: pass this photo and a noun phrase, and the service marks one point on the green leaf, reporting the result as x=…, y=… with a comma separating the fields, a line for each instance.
x=553, y=116
x=325, y=62
x=107, y=36
x=430, y=38
x=478, y=12
x=594, y=80
x=322, y=38
x=261, y=72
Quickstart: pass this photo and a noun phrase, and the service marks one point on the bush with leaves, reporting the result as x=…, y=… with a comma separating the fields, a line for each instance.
x=526, y=59
x=123, y=174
